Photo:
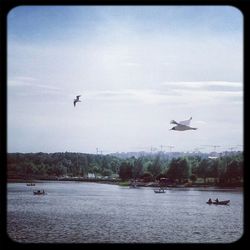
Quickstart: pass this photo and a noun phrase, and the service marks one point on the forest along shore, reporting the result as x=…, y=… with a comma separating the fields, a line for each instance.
x=178, y=170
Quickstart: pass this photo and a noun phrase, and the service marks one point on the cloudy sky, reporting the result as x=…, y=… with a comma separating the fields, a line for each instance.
x=137, y=68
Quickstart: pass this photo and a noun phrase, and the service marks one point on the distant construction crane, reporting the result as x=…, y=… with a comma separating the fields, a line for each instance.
x=197, y=149
x=147, y=149
x=214, y=146
x=231, y=148
x=99, y=151
x=166, y=146
x=170, y=148
x=152, y=149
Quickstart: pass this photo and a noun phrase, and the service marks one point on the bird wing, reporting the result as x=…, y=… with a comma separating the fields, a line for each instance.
x=182, y=127
x=78, y=96
x=186, y=122
x=174, y=122
x=186, y=127
x=74, y=102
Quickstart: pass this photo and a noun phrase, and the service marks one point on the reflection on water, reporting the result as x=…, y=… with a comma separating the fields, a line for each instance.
x=75, y=212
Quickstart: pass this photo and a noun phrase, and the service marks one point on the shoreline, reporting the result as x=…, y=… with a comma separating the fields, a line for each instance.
x=127, y=183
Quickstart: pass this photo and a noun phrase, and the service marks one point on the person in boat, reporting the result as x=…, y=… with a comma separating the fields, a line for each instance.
x=216, y=200
x=209, y=200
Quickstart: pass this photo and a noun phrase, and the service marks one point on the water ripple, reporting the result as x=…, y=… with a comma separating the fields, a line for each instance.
x=98, y=213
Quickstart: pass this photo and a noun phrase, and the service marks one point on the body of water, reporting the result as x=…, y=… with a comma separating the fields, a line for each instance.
x=80, y=212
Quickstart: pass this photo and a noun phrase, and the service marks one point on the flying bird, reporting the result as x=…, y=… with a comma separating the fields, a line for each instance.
x=182, y=125
x=77, y=100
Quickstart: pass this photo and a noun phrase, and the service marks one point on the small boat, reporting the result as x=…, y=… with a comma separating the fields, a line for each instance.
x=158, y=191
x=30, y=184
x=133, y=186
x=226, y=202
x=38, y=192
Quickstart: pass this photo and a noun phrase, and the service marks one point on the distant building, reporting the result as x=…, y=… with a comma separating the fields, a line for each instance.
x=91, y=176
x=114, y=176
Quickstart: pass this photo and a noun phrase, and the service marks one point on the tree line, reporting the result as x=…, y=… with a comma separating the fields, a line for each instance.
x=224, y=169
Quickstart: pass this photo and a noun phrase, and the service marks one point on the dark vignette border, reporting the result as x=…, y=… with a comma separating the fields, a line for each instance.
x=5, y=7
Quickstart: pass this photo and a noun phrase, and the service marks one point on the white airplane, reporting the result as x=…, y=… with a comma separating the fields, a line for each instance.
x=77, y=100
x=182, y=125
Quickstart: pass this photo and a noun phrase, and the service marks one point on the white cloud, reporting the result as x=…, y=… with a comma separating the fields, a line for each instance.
x=204, y=85
x=23, y=81
x=132, y=84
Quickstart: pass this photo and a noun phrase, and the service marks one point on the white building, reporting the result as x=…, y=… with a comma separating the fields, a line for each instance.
x=91, y=176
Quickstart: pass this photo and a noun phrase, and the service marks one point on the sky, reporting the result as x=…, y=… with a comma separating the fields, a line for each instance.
x=136, y=69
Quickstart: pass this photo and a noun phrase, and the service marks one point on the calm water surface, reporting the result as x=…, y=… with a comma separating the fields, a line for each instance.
x=77, y=212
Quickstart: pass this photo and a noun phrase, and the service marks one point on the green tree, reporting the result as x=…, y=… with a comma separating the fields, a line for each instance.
x=233, y=170
x=137, y=170
x=147, y=177
x=178, y=169
x=155, y=167
x=107, y=172
x=193, y=177
x=125, y=171
x=59, y=169
x=202, y=170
